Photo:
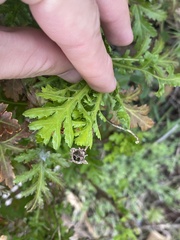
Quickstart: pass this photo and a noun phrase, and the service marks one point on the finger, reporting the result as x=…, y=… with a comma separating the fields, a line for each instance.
x=2, y=1
x=74, y=25
x=115, y=21
x=27, y=52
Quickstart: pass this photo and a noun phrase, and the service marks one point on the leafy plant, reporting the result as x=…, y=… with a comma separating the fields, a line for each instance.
x=75, y=108
x=143, y=13
x=127, y=188
x=40, y=175
x=10, y=134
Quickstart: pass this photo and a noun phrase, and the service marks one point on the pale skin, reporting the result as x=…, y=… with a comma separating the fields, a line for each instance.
x=70, y=43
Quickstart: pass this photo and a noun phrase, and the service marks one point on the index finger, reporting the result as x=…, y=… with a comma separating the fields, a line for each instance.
x=115, y=20
x=75, y=26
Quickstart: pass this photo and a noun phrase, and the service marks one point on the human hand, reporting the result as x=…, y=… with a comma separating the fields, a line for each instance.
x=72, y=45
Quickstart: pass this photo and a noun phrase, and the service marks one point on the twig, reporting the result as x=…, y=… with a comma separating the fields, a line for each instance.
x=161, y=226
x=169, y=133
x=125, y=130
x=174, y=180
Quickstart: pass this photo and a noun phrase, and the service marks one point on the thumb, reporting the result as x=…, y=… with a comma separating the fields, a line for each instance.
x=28, y=52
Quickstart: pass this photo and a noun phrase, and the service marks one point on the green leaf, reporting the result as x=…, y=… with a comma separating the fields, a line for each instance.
x=155, y=215
x=153, y=63
x=142, y=12
x=123, y=118
x=28, y=156
x=53, y=177
x=57, y=159
x=73, y=109
x=36, y=179
x=141, y=26
x=84, y=136
x=29, y=175
x=153, y=11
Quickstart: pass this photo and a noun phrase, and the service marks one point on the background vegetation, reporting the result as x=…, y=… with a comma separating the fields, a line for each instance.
x=126, y=191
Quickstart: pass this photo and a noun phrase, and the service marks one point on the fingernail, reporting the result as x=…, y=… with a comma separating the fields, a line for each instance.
x=71, y=76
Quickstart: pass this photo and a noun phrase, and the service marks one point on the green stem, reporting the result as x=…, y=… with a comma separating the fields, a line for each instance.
x=13, y=103
x=40, y=183
x=10, y=147
x=2, y=158
x=165, y=79
x=126, y=59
